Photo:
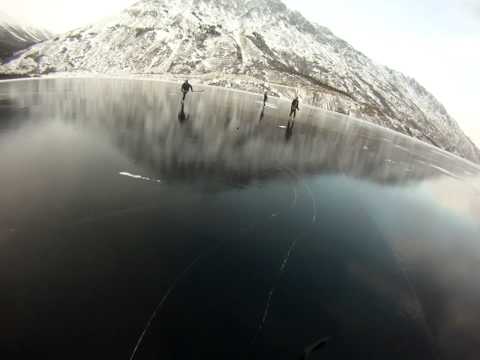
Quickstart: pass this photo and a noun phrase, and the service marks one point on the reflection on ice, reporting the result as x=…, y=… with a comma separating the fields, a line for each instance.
x=217, y=133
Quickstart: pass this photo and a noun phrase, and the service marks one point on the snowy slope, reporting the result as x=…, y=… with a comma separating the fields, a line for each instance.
x=15, y=36
x=250, y=44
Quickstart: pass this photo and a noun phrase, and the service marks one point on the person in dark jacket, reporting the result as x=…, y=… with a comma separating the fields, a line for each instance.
x=265, y=98
x=295, y=107
x=186, y=87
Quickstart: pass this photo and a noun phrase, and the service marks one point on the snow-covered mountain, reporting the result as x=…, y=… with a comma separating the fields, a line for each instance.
x=15, y=36
x=250, y=44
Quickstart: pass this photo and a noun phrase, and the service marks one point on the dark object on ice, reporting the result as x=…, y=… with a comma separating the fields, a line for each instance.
x=289, y=130
x=309, y=350
x=182, y=117
x=295, y=107
x=265, y=98
x=186, y=87
x=262, y=114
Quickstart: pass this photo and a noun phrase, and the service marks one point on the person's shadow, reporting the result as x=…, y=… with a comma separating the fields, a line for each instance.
x=289, y=130
x=262, y=114
x=182, y=117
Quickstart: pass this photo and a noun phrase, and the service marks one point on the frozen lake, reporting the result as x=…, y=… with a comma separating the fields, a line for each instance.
x=134, y=227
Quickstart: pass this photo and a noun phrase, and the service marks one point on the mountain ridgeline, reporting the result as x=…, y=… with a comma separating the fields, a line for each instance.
x=250, y=45
x=15, y=36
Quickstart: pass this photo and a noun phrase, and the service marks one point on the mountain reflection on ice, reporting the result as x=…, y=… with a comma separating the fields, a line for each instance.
x=222, y=136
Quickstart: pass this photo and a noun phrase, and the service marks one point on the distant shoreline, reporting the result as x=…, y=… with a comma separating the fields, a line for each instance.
x=14, y=76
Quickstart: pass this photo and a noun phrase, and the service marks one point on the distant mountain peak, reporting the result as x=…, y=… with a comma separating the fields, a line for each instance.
x=15, y=36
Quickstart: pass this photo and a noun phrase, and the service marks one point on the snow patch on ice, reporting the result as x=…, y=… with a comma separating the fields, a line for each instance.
x=138, y=177
x=267, y=105
x=446, y=172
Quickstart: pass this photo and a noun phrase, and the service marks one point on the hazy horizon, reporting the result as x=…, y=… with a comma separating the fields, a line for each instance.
x=435, y=42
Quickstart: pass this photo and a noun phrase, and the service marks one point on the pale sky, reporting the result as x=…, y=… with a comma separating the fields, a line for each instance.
x=435, y=41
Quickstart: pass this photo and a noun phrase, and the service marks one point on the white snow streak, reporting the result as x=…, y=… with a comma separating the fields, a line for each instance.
x=161, y=303
x=309, y=190
x=270, y=106
x=138, y=177
x=281, y=271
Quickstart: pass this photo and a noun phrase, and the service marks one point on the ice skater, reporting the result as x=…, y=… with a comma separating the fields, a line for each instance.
x=186, y=87
x=295, y=107
x=265, y=98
